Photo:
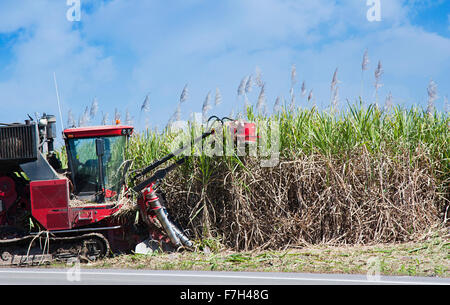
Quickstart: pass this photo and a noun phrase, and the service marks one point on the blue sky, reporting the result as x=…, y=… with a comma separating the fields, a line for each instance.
x=122, y=50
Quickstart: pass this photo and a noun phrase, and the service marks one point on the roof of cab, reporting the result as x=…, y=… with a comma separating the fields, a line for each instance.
x=98, y=131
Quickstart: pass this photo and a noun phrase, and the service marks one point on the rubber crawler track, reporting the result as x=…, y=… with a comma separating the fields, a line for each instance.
x=55, y=244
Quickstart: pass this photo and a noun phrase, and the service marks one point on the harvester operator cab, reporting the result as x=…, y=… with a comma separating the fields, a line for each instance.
x=96, y=161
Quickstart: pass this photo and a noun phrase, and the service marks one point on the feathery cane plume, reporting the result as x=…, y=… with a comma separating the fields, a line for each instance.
x=365, y=62
x=218, y=98
x=191, y=117
x=446, y=104
x=293, y=75
x=104, y=118
x=432, y=96
x=292, y=95
x=170, y=122
x=70, y=120
x=146, y=104
x=388, y=102
x=335, y=80
x=206, y=106
x=145, y=107
x=174, y=117
x=84, y=119
x=334, y=90
x=277, y=106
x=258, y=77
x=94, y=108
x=303, y=89
x=184, y=94
x=249, y=84
x=116, y=116
x=177, y=114
x=335, y=100
x=241, y=88
x=378, y=73
x=246, y=102
x=261, y=100
x=231, y=115
x=364, y=67
x=128, y=118
x=310, y=95
x=292, y=105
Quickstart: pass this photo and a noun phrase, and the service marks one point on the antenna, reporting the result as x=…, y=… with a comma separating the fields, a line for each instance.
x=57, y=98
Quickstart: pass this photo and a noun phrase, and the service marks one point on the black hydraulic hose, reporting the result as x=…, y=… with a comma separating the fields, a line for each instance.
x=169, y=156
x=162, y=173
x=153, y=166
x=179, y=151
x=159, y=175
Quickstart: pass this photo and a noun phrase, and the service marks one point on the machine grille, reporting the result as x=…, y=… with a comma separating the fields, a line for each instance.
x=18, y=143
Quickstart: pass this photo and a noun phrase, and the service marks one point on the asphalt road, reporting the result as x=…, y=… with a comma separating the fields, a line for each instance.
x=77, y=276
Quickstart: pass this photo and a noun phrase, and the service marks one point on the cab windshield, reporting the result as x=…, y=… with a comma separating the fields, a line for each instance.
x=85, y=165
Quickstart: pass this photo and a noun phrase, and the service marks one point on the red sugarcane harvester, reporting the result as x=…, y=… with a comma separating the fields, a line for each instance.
x=48, y=213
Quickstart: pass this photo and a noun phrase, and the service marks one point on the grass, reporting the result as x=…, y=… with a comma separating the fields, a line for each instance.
x=424, y=258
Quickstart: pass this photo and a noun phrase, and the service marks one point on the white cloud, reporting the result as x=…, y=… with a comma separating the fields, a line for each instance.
x=123, y=50
x=48, y=44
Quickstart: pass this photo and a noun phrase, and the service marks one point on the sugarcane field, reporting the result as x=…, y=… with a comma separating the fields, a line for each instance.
x=224, y=143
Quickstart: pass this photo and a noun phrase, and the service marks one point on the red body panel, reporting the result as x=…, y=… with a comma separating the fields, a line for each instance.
x=249, y=133
x=50, y=203
x=89, y=214
x=8, y=196
x=98, y=131
x=50, y=206
x=244, y=131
